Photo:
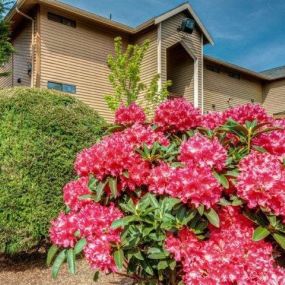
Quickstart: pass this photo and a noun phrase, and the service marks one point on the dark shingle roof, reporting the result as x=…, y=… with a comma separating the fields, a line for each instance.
x=275, y=73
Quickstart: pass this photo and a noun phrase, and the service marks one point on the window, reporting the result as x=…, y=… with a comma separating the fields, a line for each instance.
x=234, y=75
x=62, y=20
x=67, y=88
x=213, y=68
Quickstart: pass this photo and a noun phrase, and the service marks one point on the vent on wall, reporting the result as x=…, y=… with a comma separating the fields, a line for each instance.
x=187, y=26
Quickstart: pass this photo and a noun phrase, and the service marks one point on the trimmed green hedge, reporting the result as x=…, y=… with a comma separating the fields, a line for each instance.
x=40, y=133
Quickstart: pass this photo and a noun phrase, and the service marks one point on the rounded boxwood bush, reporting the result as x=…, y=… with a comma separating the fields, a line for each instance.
x=40, y=133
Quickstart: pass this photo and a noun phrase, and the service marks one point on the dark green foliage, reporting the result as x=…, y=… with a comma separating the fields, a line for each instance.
x=41, y=132
x=6, y=48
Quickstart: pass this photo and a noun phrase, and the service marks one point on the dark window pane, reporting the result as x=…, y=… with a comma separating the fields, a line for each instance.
x=62, y=20
x=69, y=88
x=55, y=86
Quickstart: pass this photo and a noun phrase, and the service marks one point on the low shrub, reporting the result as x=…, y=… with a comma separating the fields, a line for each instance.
x=184, y=199
x=40, y=133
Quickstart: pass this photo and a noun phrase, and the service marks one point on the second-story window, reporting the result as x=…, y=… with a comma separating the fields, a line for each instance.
x=67, y=88
x=61, y=20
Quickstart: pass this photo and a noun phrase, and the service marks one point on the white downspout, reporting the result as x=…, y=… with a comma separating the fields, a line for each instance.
x=196, y=83
x=159, y=67
x=33, y=31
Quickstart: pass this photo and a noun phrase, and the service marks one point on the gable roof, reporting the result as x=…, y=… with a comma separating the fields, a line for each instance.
x=26, y=4
x=275, y=73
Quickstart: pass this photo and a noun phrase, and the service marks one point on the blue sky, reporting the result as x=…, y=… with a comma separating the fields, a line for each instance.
x=250, y=33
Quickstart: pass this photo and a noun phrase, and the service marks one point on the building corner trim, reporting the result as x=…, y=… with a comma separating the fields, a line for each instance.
x=159, y=52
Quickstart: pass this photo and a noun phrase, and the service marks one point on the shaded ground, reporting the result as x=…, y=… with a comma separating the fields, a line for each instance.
x=34, y=272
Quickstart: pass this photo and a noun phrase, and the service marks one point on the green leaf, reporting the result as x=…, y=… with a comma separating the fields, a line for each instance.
x=172, y=264
x=260, y=233
x=79, y=246
x=123, y=222
x=213, y=217
x=280, y=239
x=259, y=148
x=272, y=219
x=51, y=254
x=113, y=186
x=92, y=184
x=86, y=197
x=100, y=190
x=71, y=261
x=57, y=263
x=160, y=255
x=162, y=265
x=222, y=180
x=201, y=210
x=96, y=276
x=119, y=258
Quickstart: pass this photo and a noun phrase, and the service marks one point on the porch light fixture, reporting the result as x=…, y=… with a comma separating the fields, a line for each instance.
x=187, y=26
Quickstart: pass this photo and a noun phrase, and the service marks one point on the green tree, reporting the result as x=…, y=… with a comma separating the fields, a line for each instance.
x=6, y=48
x=125, y=78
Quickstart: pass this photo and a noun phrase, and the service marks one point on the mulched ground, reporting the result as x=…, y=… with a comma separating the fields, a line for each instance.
x=33, y=271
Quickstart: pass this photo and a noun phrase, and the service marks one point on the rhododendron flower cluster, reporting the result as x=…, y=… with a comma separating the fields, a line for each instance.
x=247, y=112
x=204, y=152
x=130, y=115
x=181, y=189
x=194, y=185
x=228, y=257
x=273, y=142
x=213, y=120
x=73, y=190
x=92, y=222
x=177, y=115
x=262, y=182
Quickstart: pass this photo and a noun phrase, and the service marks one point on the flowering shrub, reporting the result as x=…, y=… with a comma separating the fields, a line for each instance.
x=186, y=199
x=130, y=115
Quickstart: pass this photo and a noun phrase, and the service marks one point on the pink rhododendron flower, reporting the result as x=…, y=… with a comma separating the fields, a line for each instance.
x=130, y=115
x=194, y=185
x=230, y=256
x=95, y=220
x=201, y=151
x=247, y=112
x=63, y=229
x=177, y=115
x=73, y=191
x=274, y=141
x=138, y=135
x=213, y=120
x=98, y=253
x=261, y=182
x=116, y=154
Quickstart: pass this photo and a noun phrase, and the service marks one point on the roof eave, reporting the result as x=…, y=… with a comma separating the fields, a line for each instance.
x=238, y=68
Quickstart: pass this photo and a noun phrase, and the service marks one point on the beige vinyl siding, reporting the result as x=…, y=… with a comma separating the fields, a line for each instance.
x=219, y=87
x=23, y=56
x=180, y=70
x=77, y=56
x=6, y=81
x=170, y=36
x=149, y=63
x=274, y=96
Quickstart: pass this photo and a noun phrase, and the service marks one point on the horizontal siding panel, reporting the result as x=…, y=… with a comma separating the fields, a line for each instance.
x=23, y=56
x=219, y=87
x=274, y=97
x=171, y=36
x=78, y=56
